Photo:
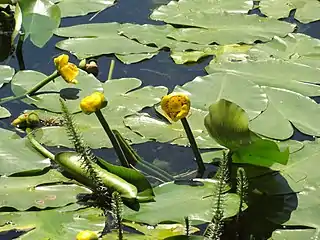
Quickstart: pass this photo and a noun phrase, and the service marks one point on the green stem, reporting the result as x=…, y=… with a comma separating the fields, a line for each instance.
x=133, y=158
x=38, y=146
x=32, y=90
x=19, y=53
x=195, y=149
x=111, y=68
x=113, y=139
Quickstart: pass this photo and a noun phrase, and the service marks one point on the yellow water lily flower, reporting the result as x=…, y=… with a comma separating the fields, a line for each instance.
x=176, y=106
x=93, y=102
x=87, y=235
x=68, y=71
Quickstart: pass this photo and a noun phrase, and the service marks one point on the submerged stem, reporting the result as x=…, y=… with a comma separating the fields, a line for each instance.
x=112, y=138
x=195, y=149
x=38, y=146
x=19, y=53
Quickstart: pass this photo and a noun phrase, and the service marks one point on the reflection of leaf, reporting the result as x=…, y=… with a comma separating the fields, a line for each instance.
x=35, y=195
x=39, y=22
x=168, y=196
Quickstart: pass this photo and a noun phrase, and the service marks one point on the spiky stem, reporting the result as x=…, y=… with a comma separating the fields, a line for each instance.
x=117, y=207
x=215, y=228
x=195, y=149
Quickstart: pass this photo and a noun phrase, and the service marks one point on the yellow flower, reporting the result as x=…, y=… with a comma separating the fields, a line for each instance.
x=176, y=106
x=68, y=71
x=87, y=235
x=93, y=102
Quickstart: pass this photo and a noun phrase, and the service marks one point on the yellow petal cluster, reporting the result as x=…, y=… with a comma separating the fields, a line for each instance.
x=176, y=106
x=93, y=102
x=68, y=71
x=87, y=235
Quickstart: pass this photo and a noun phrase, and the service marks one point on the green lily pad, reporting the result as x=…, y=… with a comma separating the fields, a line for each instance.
x=306, y=11
x=6, y=74
x=168, y=196
x=4, y=113
x=221, y=28
x=38, y=191
x=49, y=100
x=17, y=155
x=72, y=8
x=39, y=22
x=124, y=98
x=52, y=224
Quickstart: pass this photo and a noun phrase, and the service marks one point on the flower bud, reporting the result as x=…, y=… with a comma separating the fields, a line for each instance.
x=26, y=120
x=176, y=106
x=93, y=103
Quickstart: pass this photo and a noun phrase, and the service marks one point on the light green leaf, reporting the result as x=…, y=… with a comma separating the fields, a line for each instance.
x=4, y=113
x=222, y=28
x=134, y=58
x=50, y=99
x=38, y=191
x=40, y=18
x=286, y=105
x=72, y=8
x=89, y=47
x=306, y=10
x=17, y=155
x=295, y=47
x=52, y=224
x=6, y=74
x=168, y=196
x=123, y=100
x=274, y=73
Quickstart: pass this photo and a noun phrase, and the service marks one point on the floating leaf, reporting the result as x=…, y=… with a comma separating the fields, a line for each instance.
x=40, y=18
x=6, y=74
x=50, y=98
x=123, y=100
x=72, y=8
x=168, y=196
x=38, y=191
x=306, y=10
x=17, y=155
x=4, y=113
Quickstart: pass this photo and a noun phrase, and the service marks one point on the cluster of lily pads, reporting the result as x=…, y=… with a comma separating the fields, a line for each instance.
x=258, y=90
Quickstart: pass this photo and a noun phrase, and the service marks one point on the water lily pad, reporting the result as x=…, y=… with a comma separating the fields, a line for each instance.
x=306, y=11
x=4, y=113
x=39, y=22
x=50, y=98
x=6, y=74
x=222, y=28
x=123, y=100
x=17, y=155
x=35, y=194
x=72, y=8
x=168, y=196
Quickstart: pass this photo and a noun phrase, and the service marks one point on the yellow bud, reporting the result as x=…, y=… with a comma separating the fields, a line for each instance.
x=93, y=102
x=26, y=120
x=176, y=106
x=22, y=119
x=68, y=71
x=87, y=235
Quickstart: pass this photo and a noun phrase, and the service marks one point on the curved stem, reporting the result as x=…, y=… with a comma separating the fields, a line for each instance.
x=32, y=90
x=195, y=149
x=113, y=139
x=38, y=146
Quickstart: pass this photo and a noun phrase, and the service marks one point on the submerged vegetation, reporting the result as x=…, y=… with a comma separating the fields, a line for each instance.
x=247, y=179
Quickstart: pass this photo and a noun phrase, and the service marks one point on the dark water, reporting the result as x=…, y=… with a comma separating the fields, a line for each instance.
x=160, y=70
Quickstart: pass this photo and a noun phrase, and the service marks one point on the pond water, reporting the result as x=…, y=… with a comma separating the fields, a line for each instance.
x=160, y=70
